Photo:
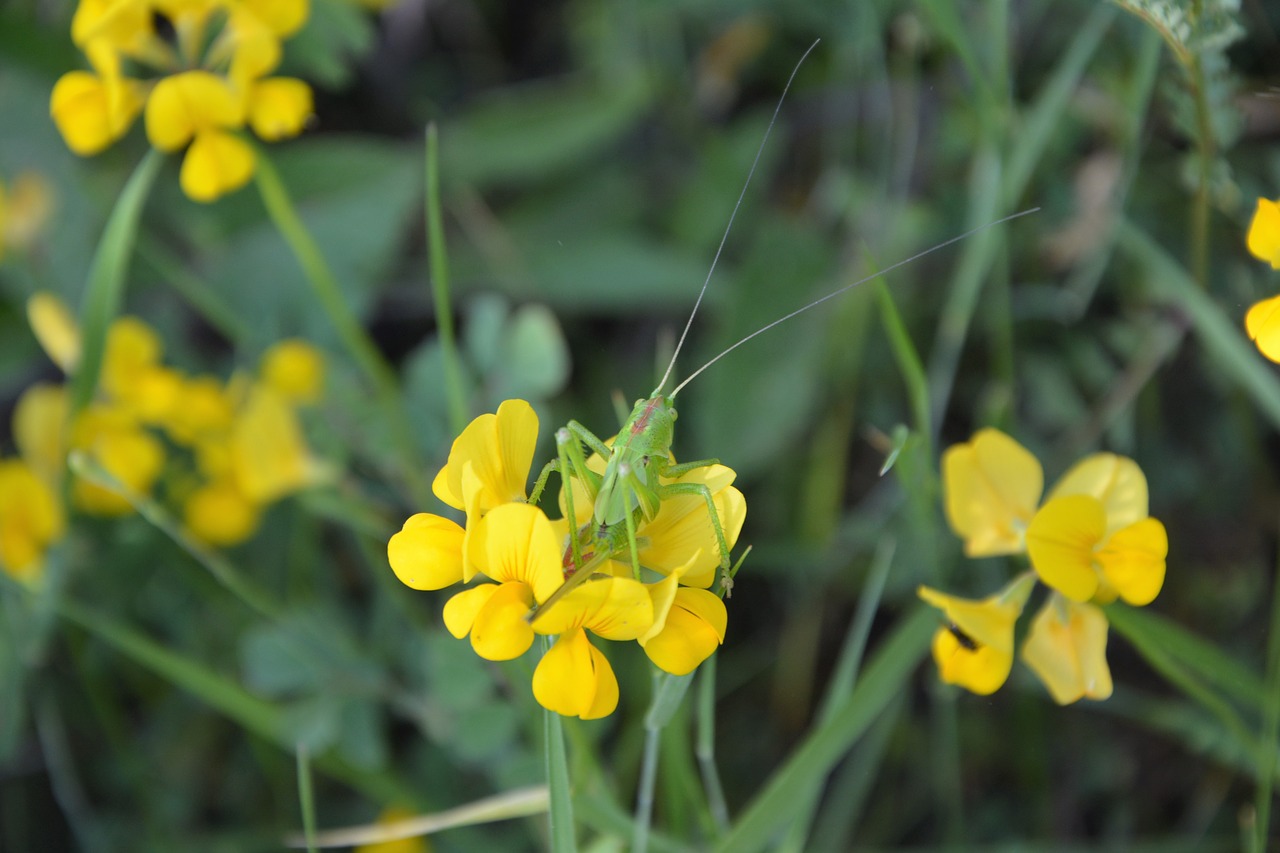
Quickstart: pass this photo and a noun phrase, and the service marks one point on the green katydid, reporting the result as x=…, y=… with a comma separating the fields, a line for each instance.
x=632, y=489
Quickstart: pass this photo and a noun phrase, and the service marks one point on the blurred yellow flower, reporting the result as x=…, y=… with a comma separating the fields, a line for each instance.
x=220, y=514
x=294, y=369
x=30, y=520
x=688, y=626
x=975, y=648
x=55, y=329
x=216, y=82
x=1067, y=650
x=1263, y=238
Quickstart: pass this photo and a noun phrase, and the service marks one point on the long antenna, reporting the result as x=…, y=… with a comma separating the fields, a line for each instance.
x=841, y=290
x=754, y=163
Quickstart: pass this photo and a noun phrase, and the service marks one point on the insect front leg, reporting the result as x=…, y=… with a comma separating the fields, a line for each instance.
x=541, y=482
x=685, y=467
x=700, y=489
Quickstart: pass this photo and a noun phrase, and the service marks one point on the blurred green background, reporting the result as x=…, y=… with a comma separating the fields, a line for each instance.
x=591, y=154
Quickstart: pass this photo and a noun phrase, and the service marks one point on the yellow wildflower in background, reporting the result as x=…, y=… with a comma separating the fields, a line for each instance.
x=30, y=520
x=1092, y=540
x=413, y=844
x=25, y=209
x=213, y=83
x=1262, y=322
x=975, y=648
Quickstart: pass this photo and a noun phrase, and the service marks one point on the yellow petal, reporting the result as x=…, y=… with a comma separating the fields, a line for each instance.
x=55, y=328
x=1263, y=325
x=204, y=410
x=220, y=514
x=181, y=106
x=502, y=630
x=1133, y=561
x=460, y=610
x=611, y=607
x=693, y=629
x=982, y=670
x=1067, y=648
x=987, y=622
x=1060, y=542
x=574, y=679
x=1264, y=232
x=992, y=486
x=216, y=164
x=294, y=369
x=427, y=552
x=279, y=108
x=515, y=542
x=500, y=450
x=132, y=347
x=683, y=527
x=282, y=17
x=268, y=454
x=389, y=818
x=40, y=430
x=131, y=455
x=30, y=519
x=1116, y=481
x=89, y=113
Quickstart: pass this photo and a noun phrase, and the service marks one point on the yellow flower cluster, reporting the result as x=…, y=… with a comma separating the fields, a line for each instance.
x=526, y=557
x=224, y=451
x=1090, y=542
x=1262, y=322
x=209, y=61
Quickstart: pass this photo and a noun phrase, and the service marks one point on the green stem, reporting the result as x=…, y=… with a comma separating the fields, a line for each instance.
x=105, y=289
x=705, y=748
x=306, y=796
x=644, y=792
x=561, y=812
x=440, y=286
x=358, y=343
x=1207, y=152
x=195, y=290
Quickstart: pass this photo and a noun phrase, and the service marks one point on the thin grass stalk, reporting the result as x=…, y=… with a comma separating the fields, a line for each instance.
x=195, y=290
x=324, y=285
x=105, y=289
x=440, y=286
x=643, y=817
x=306, y=797
x=705, y=747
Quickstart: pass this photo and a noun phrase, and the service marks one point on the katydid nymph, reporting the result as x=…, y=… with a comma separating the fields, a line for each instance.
x=638, y=464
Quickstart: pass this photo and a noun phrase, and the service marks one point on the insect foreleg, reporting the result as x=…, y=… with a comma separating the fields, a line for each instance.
x=541, y=482
x=589, y=438
x=685, y=467
x=671, y=489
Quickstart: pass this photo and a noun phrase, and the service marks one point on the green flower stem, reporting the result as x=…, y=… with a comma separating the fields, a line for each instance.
x=362, y=349
x=705, y=748
x=105, y=289
x=306, y=797
x=561, y=812
x=1207, y=152
x=1270, y=726
x=440, y=286
x=644, y=790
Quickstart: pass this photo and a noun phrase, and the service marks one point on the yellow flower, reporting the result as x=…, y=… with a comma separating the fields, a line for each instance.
x=55, y=328
x=1067, y=649
x=574, y=678
x=40, y=431
x=1262, y=322
x=515, y=546
x=975, y=650
x=688, y=626
x=24, y=211
x=219, y=513
x=499, y=448
x=30, y=519
x=427, y=552
x=294, y=369
x=1074, y=551
x=992, y=486
x=1264, y=232
x=269, y=457
x=126, y=451
x=213, y=87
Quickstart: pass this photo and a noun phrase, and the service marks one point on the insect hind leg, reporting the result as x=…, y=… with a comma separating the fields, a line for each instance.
x=701, y=490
